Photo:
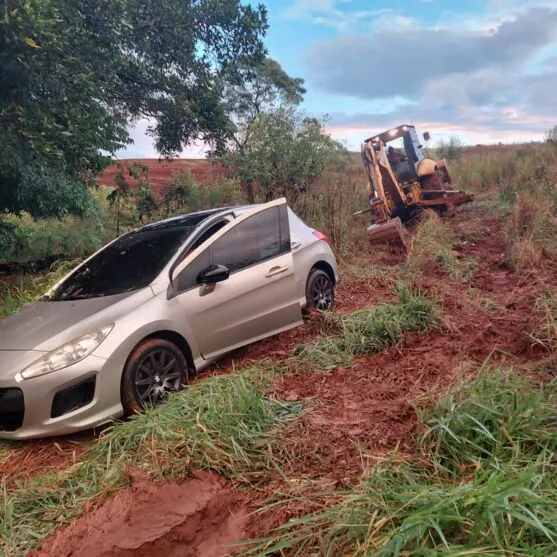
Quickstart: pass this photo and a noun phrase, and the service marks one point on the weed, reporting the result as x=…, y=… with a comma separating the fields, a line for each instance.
x=483, y=484
x=367, y=331
x=499, y=417
x=27, y=288
x=546, y=335
x=433, y=243
x=215, y=424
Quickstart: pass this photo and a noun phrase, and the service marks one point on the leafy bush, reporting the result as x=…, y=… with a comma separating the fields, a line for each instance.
x=450, y=149
x=183, y=195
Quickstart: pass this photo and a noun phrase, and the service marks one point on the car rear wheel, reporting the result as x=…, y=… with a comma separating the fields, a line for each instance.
x=320, y=291
x=154, y=369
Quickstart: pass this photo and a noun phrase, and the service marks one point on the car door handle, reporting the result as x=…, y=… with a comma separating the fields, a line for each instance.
x=295, y=245
x=274, y=271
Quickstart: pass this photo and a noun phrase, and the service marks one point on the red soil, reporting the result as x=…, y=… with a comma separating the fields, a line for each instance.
x=160, y=171
x=32, y=458
x=192, y=519
x=352, y=416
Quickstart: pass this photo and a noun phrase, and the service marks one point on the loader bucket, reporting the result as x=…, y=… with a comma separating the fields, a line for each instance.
x=390, y=232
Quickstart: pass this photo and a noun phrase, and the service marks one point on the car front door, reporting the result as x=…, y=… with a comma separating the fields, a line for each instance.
x=259, y=297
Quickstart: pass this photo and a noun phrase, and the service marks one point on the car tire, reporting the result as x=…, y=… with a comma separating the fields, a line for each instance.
x=155, y=368
x=320, y=291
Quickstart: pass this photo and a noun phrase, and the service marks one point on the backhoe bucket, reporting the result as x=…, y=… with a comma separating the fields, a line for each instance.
x=390, y=232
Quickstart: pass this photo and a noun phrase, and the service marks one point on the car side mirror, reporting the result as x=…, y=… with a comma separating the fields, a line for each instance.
x=213, y=274
x=427, y=136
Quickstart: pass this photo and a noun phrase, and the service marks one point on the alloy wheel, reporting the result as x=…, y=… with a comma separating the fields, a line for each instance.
x=158, y=374
x=322, y=293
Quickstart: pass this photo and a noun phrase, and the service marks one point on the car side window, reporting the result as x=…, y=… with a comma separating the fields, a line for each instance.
x=208, y=233
x=254, y=240
x=261, y=236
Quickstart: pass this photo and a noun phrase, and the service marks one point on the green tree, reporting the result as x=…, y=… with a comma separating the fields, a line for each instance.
x=450, y=149
x=250, y=91
x=551, y=135
x=284, y=153
x=73, y=73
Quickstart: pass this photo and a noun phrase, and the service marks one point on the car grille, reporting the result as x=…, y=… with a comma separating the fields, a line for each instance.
x=12, y=409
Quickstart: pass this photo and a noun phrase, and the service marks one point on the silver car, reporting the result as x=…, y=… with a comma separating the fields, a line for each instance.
x=149, y=310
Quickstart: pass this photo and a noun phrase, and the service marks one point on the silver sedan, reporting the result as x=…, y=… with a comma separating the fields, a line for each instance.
x=143, y=314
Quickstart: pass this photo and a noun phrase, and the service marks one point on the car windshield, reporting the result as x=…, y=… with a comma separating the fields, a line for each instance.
x=130, y=263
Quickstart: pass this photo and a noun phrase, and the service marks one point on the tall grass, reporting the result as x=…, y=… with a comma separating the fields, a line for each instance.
x=432, y=244
x=24, y=239
x=546, y=335
x=25, y=289
x=521, y=183
x=216, y=424
x=330, y=203
x=483, y=483
x=367, y=331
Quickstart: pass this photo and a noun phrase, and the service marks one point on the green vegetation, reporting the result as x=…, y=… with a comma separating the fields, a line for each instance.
x=183, y=195
x=26, y=289
x=518, y=184
x=284, y=152
x=73, y=78
x=484, y=483
x=214, y=424
x=367, y=331
x=450, y=149
x=433, y=243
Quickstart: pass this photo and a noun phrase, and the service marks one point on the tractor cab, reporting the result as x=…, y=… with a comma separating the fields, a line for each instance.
x=404, y=162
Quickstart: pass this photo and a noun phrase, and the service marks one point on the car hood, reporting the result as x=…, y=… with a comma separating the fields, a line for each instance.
x=44, y=326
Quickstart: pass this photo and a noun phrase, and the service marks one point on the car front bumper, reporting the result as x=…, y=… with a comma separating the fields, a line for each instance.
x=78, y=397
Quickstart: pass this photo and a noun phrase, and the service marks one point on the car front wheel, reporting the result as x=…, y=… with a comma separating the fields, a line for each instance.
x=320, y=291
x=155, y=368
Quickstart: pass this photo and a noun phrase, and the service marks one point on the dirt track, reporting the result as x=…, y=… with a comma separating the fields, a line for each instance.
x=353, y=416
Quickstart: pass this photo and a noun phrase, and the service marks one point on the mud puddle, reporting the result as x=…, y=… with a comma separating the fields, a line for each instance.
x=200, y=517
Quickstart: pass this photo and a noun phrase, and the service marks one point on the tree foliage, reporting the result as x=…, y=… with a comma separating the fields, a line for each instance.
x=259, y=88
x=74, y=72
x=283, y=153
x=252, y=91
x=450, y=149
x=551, y=135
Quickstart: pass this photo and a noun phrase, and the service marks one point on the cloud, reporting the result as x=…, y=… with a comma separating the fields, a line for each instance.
x=330, y=13
x=471, y=79
x=397, y=62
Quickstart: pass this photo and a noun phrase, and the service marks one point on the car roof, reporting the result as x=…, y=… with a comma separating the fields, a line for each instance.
x=193, y=219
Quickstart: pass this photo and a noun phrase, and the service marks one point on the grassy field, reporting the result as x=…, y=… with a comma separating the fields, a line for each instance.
x=457, y=342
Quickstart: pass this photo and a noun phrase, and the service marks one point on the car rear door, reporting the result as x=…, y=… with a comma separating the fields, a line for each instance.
x=258, y=299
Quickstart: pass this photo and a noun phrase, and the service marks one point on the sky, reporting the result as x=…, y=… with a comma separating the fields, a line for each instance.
x=484, y=70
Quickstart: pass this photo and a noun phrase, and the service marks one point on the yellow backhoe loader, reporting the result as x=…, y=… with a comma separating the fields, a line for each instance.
x=403, y=183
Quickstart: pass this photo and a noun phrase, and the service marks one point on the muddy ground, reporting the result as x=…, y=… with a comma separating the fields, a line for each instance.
x=353, y=416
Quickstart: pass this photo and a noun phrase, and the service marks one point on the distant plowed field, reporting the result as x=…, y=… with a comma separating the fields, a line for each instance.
x=161, y=170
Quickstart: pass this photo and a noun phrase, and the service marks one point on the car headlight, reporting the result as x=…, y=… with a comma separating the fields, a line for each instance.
x=67, y=354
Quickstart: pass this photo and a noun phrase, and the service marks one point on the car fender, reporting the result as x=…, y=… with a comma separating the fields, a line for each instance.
x=131, y=329
x=306, y=259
